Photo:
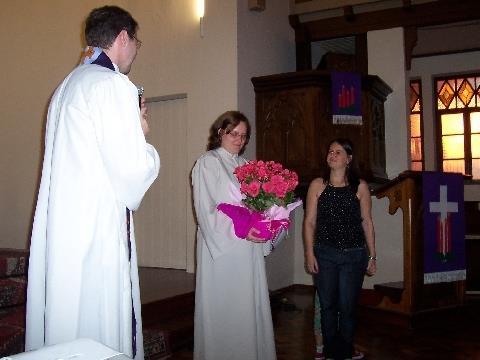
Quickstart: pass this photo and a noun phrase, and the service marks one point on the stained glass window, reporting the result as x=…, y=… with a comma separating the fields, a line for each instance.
x=416, y=139
x=458, y=119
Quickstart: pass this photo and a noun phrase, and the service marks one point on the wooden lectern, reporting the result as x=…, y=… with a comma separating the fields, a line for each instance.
x=411, y=298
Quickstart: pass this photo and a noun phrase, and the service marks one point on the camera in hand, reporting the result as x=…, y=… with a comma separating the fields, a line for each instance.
x=141, y=90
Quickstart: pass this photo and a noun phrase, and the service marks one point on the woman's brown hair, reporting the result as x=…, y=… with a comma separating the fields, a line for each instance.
x=224, y=124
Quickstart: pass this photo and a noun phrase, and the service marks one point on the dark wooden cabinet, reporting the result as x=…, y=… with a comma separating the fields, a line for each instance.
x=294, y=123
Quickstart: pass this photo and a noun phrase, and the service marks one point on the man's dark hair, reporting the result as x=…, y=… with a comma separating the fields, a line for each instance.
x=103, y=25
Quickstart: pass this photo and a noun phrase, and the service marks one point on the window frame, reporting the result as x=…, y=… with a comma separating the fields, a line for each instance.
x=417, y=80
x=465, y=111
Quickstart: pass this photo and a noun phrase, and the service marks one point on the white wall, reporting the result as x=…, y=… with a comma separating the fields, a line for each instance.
x=176, y=59
x=386, y=59
x=300, y=275
x=266, y=46
x=45, y=44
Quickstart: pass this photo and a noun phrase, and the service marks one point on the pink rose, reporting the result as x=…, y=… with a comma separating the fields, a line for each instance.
x=253, y=188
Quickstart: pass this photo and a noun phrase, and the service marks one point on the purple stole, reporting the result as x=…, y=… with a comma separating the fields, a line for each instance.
x=104, y=60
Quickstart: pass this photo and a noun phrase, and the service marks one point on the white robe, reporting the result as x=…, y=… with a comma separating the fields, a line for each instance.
x=232, y=307
x=96, y=163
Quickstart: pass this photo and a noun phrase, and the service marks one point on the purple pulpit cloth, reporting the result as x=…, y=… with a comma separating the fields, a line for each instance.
x=444, y=227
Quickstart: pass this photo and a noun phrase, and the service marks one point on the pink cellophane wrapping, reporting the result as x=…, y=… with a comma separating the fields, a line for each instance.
x=268, y=224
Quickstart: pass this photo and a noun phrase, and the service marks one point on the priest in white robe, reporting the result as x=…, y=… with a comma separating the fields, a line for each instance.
x=83, y=277
x=232, y=307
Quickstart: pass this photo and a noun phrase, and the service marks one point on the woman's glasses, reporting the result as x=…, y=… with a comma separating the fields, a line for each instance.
x=236, y=135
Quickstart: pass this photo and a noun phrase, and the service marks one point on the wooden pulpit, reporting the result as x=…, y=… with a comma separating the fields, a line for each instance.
x=294, y=122
x=410, y=296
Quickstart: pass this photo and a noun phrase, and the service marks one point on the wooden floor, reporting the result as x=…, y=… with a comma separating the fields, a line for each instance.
x=456, y=339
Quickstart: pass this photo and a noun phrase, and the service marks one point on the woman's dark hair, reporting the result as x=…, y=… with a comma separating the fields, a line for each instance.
x=352, y=177
x=103, y=25
x=224, y=124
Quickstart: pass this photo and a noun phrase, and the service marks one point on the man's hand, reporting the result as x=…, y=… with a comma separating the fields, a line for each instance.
x=143, y=117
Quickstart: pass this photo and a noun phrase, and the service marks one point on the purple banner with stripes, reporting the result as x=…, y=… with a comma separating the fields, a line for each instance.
x=444, y=227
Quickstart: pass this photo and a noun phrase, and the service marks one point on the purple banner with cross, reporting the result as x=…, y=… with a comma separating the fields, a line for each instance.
x=444, y=227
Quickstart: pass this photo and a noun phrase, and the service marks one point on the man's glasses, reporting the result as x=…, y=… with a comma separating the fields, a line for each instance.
x=137, y=42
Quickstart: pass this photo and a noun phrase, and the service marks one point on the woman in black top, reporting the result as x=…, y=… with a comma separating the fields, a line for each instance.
x=339, y=245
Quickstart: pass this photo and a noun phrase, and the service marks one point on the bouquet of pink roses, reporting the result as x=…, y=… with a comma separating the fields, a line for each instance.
x=265, y=201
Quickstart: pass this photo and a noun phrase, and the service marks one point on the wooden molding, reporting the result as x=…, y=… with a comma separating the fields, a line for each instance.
x=432, y=13
x=348, y=13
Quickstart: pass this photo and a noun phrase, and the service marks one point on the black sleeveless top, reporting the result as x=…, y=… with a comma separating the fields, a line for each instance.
x=339, y=220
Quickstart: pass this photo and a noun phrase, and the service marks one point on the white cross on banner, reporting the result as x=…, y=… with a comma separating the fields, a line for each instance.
x=444, y=208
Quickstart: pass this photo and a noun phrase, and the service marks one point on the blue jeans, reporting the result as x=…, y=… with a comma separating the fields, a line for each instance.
x=339, y=282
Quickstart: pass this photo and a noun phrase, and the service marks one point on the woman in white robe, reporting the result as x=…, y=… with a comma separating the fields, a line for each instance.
x=232, y=306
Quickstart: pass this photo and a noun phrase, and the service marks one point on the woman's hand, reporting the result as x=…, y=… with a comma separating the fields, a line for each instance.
x=372, y=267
x=311, y=265
x=251, y=236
